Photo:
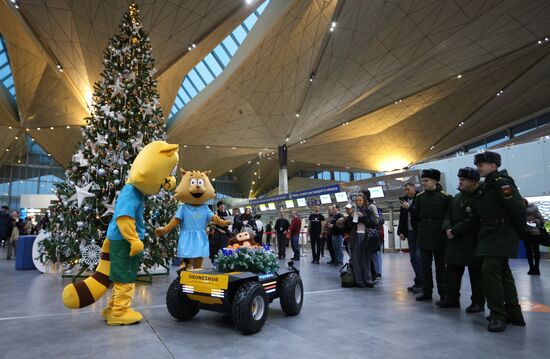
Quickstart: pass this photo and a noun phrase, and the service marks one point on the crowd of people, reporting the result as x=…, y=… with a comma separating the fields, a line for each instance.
x=12, y=226
x=478, y=229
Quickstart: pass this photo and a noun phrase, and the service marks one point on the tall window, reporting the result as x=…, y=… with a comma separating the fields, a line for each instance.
x=214, y=63
x=32, y=172
x=6, y=76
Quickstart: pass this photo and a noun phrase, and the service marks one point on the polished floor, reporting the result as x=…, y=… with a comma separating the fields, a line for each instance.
x=384, y=322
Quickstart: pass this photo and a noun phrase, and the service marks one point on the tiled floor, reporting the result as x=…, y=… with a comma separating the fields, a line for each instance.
x=384, y=322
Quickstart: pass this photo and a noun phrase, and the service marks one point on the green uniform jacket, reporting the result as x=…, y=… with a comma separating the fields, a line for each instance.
x=500, y=213
x=431, y=208
x=460, y=250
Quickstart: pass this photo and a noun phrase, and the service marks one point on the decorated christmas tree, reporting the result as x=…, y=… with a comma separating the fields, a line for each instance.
x=126, y=115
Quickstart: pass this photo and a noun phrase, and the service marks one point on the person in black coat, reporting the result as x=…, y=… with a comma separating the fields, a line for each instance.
x=281, y=226
x=407, y=230
x=6, y=225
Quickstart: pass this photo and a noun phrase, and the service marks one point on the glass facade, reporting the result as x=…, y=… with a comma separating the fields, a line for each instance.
x=6, y=76
x=214, y=63
x=32, y=172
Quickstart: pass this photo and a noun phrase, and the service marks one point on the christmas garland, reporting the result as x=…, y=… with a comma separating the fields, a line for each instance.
x=246, y=259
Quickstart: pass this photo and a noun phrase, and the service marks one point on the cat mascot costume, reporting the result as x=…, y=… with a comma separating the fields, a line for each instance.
x=121, y=250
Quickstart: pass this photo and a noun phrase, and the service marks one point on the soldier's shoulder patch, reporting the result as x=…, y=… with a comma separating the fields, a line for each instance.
x=506, y=190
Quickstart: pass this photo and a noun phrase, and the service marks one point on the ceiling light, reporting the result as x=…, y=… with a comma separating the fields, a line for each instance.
x=287, y=138
x=7, y=150
x=59, y=67
x=248, y=2
x=27, y=129
x=249, y=162
x=213, y=179
x=51, y=128
x=230, y=171
x=311, y=76
x=461, y=124
x=539, y=42
x=297, y=115
x=49, y=155
x=184, y=146
x=193, y=45
x=253, y=182
x=16, y=137
x=432, y=147
x=546, y=39
x=68, y=126
x=500, y=92
x=207, y=146
x=9, y=127
x=318, y=164
x=292, y=161
x=233, y=148
x=38, y=128
x=459, y=77
x=16, y=6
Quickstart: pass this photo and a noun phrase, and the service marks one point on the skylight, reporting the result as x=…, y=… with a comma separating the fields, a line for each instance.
x=214, y=63
x=6, y=76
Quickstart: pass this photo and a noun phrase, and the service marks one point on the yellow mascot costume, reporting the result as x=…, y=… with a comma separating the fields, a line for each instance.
x=194, y=215
x=121, y=250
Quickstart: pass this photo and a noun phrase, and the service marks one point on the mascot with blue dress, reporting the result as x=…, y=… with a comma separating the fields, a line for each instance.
x=193, y=215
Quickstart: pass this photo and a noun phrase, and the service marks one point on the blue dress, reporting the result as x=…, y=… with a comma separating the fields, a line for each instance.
x=193, y=242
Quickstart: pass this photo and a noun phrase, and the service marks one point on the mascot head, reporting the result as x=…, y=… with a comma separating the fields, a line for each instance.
x=152, y=168
x=194, y=188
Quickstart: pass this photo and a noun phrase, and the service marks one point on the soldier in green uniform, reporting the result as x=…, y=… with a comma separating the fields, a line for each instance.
x=460, y=250
x=431, y=207
x=500, y=213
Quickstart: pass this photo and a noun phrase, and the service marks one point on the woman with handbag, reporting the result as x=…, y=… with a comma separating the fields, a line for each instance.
x=534, y=231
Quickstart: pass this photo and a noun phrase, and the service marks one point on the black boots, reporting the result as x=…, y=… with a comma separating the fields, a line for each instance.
x=496, y=326
x=475, y=308
x=446, y=303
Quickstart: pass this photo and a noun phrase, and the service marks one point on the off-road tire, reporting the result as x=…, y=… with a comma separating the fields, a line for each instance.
x=246, y=317
x=178, y=303
x=291, y=290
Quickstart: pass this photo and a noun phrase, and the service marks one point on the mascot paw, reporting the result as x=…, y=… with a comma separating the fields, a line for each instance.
x=227, y=223
x=136, y=247
x=130, y=317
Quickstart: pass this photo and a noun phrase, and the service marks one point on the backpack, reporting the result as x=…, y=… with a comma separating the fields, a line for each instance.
x=346, y=276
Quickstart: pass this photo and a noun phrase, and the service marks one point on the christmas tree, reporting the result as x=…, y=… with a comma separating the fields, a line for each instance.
x=126, y=115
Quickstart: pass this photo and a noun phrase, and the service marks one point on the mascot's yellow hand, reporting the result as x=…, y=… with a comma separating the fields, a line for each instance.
x=227, y=223
x=136, y=247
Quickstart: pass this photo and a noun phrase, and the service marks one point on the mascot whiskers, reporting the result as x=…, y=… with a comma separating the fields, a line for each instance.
x=194, y=215
x=121, y=250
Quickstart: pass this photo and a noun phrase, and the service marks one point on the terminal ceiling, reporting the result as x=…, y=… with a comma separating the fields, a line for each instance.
x=395, y=82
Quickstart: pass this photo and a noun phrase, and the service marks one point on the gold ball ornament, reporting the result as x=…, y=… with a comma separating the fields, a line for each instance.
x=134, y=40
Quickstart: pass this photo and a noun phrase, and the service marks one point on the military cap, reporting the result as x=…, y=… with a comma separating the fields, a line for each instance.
x=431, y=173
x=469, y=173
x=488, y=157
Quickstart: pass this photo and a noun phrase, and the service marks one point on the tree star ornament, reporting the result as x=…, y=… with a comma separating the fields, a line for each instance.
x=109, y=207
x=137, y=142
x=101, y=140
x=118, y=88
x=81, y=194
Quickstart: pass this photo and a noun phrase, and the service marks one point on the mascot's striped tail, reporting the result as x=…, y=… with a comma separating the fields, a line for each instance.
x=83, y=293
